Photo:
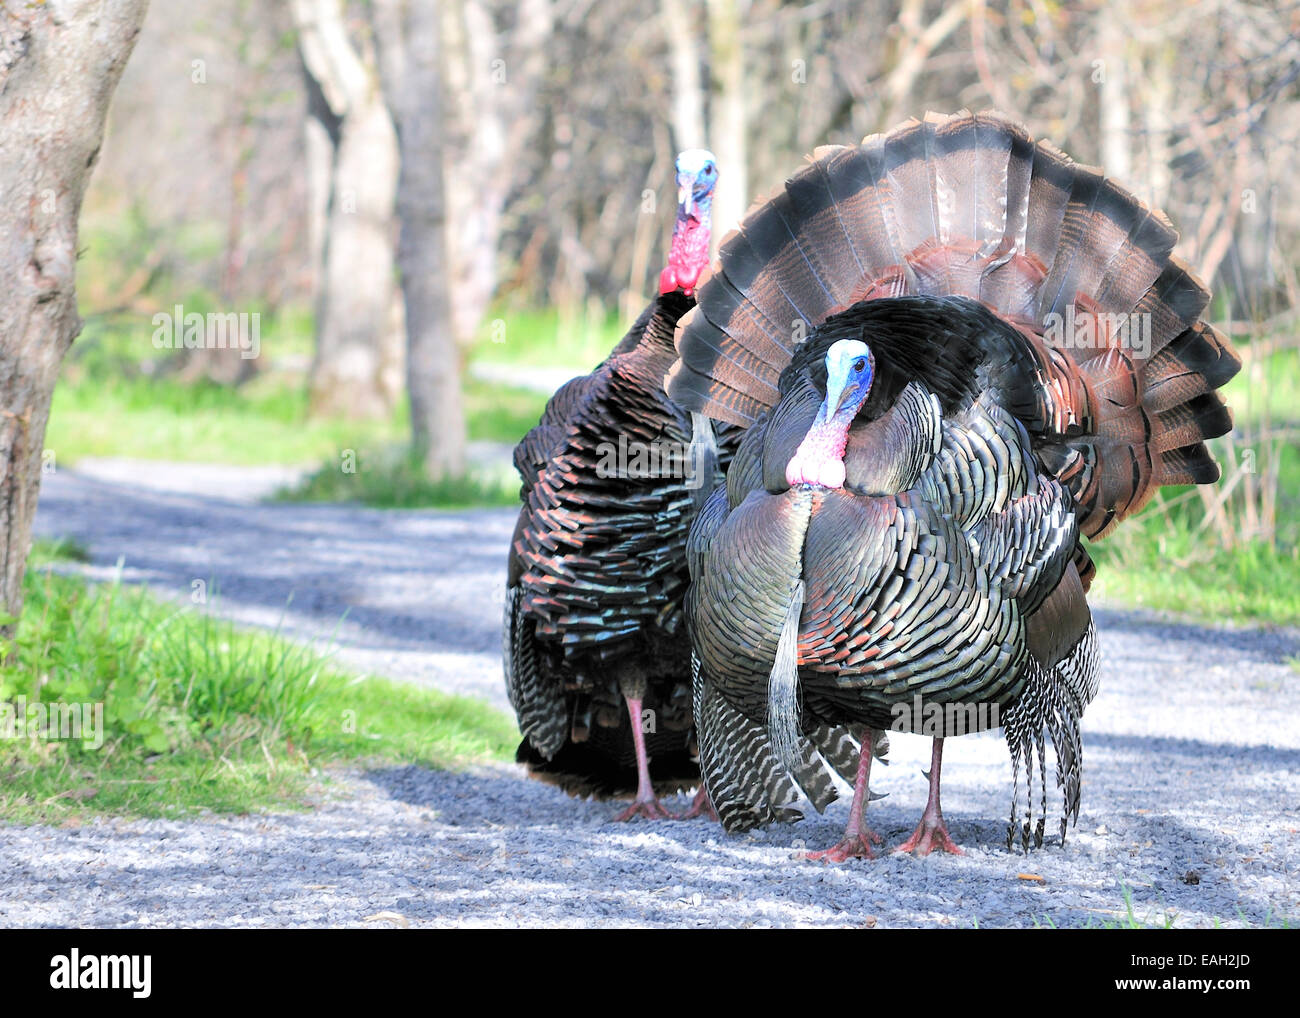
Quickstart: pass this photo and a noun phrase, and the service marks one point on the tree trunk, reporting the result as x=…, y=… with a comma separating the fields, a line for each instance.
x=727, y=116
x=1112, y=98
x=688, y=92
x=59, y=64
x=357, y=368
x=493, y=80
x=408, y=36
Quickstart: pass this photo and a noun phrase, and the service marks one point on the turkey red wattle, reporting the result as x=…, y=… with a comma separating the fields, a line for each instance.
x=697, y=175
x=688, y=255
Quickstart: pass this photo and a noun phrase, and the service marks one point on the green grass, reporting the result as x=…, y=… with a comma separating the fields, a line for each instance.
x=164, y=419
x=1130, y=921
x=198, y=715
x=1178, y=571
x=547, y=338
x=500, y=413
x=46, y=550
x=1164, y=560
x=115, y=397
x=263, y=422
x=389, y=478
x=1167, y=560
x=1266, y=388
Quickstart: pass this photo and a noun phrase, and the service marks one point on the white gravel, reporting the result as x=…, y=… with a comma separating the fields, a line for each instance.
x=1192, y=766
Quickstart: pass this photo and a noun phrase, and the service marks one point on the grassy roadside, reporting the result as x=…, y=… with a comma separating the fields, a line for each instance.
x=1176, y=572
x=1171, y=558
x=111, y=402
x=263, y=422
x=547, y=338
x=389, y=478
x=196, y=714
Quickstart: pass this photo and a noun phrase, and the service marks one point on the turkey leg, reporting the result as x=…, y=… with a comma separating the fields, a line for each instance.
x=858, y=838
x=701, y=806
x=646, y=804
x=931, y=832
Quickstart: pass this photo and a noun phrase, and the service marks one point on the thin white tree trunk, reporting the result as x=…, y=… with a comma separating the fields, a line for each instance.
x=490, y=100
x=59, y=64
x=1113, y=99
x=357, y=368
x=408, y=35
x=728, y=115
x=1157, y=102
x=682, y=32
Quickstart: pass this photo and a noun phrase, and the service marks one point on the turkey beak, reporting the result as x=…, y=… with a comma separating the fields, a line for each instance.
x=685, y=196
x=845, y=394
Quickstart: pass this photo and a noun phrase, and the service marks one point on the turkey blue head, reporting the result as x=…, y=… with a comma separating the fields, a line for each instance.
x=697, y=175
x=850, y=368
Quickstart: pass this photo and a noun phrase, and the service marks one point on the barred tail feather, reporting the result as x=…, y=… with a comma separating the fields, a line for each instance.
x=1053, y=703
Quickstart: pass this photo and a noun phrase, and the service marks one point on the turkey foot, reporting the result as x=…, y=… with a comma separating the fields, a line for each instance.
x=853, y=846
x=650, y=809
x=701, y=807
x=858, y=839
x=931, y=832
x=646, y=804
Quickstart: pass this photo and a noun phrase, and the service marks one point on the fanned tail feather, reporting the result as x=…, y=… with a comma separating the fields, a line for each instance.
x=1115, y=375
x=970, y=205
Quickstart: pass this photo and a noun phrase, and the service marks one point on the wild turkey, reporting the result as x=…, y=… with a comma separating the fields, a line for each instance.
x=597, y=568
x=917, y=333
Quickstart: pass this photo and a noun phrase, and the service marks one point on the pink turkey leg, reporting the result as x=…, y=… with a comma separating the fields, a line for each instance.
x=932, y=832
x=701, y=806
x=858, y=839
x=646, y=804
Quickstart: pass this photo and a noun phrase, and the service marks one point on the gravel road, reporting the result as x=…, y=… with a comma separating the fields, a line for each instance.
x=1191, y=796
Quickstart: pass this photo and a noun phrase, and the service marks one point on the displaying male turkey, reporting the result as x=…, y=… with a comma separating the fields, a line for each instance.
x=956, y=353
x=597, y=568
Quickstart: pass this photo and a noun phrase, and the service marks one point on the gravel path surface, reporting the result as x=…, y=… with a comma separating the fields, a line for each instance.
x=1191, y=796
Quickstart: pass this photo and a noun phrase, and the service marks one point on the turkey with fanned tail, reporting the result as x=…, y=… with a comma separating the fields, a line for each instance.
x=957, y=354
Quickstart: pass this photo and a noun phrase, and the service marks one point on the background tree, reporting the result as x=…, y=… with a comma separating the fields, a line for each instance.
x=496, y=56
x=408, y=35
x=560, y=120
x=352, y=166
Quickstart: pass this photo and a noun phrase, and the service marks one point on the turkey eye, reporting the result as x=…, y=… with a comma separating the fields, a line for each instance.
x=859, y=364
